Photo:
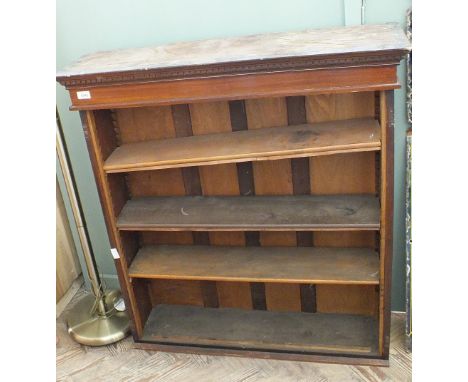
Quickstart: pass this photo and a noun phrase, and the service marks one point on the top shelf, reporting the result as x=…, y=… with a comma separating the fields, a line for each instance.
x=324, y=138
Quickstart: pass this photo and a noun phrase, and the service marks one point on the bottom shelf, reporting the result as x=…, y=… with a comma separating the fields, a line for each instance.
x=262, y=330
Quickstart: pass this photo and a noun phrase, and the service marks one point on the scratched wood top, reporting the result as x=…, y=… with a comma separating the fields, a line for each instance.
x=249, y=145
x=244, y=213
x=258, y=264
x=261, y=47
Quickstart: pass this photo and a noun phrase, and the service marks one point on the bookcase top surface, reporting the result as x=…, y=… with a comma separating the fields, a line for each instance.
x=271, y=51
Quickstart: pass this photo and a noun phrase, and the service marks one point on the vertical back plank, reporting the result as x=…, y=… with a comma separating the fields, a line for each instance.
x=274, y=178
x=179, y=292
x=168, y=182
x=343, y=173
x=145, y=123
x=301, y=186
x=220, y=180
x=327, y=107
x=356, y=299
x=337, y=174
x=246, y=187
x=192, y=186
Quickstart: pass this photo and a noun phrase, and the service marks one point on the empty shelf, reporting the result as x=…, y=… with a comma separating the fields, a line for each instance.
x=251, y=213
x=258, y=264
x=263, y=330
x=250, y=145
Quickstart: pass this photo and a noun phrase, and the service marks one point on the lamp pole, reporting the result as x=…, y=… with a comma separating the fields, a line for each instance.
x=94, y=320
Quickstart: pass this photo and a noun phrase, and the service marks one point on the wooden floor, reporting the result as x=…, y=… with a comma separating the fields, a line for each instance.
x=120, y=362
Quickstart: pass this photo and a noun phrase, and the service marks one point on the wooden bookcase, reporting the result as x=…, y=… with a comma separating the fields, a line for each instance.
x=247, y=186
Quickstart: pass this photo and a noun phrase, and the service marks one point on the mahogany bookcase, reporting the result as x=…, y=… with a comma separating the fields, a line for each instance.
x=247, y=187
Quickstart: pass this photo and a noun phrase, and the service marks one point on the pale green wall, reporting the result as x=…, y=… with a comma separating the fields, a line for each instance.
x=86, y=26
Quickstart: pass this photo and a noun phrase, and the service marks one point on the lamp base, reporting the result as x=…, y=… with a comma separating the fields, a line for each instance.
x=87, y=327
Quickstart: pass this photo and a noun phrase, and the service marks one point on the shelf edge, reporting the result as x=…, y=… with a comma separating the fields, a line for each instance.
x=239, y=159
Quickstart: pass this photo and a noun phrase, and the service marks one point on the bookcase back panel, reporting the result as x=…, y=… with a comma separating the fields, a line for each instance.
x=169, y=182
x=201, y=293
x=165, y=237
x=335, y=174
x=342, y=299
x=350, y=299
x=208, y=118
x=119, y=191
x=106, y=132
x=338, y=174
x=358, y=239
x=142, y=124
x=145, y=123
x=177, y=292
x=234, y=295
x=343, y=174
x=266, y=113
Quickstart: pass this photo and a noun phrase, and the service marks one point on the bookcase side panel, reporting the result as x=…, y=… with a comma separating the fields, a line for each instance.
x=386, y=220
x=100, y=140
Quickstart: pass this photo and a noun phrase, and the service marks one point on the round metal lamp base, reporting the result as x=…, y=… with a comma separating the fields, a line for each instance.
x=87, y=327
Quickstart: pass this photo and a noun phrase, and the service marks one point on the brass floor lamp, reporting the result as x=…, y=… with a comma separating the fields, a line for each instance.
x=97, y=319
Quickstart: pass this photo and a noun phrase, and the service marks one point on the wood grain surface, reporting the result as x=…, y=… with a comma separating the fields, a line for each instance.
x=273, y=178
x=248, y=213
x=260, y=264
x=347, y=173
x=249, y=86
x=256, y=329
x=300, y=171
x=250, y=145
x=238, y=116
x=100, y=142
x=209, y=119
x=386, y=232
x=157, y=123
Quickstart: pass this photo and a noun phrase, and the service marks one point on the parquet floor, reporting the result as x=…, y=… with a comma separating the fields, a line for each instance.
x=120, y=362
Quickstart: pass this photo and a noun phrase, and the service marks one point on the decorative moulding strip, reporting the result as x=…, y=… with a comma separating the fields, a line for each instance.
x=273, y=84
x=391, y=57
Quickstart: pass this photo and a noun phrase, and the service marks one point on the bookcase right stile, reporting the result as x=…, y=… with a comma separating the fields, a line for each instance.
x=386, y=217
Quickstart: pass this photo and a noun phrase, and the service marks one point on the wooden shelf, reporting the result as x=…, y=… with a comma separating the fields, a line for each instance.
x=250, y=145
x=258, y=264
x=256, y=329
x=251, y=213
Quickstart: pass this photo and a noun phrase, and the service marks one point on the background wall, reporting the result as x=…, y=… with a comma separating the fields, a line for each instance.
x=86, y=26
